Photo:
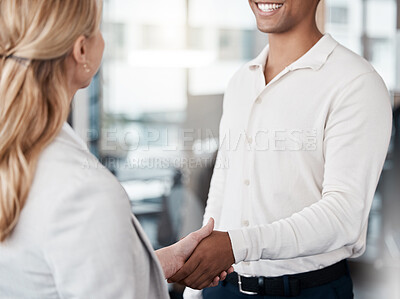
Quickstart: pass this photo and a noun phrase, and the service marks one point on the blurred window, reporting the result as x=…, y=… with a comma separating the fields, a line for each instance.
x=158, y=52
x=368, y=27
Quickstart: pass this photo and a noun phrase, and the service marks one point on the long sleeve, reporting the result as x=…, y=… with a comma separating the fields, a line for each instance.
x=92, y=247
x=357, y=134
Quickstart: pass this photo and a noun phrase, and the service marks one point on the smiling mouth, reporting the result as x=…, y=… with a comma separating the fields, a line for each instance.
x=269, y=7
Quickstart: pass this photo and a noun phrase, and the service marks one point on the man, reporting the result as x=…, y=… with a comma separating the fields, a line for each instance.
x=304, y=135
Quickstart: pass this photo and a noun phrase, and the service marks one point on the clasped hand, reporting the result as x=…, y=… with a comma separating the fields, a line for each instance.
x=200, y=260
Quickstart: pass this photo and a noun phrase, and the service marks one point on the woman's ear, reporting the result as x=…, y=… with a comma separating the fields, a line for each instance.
x=79, y=51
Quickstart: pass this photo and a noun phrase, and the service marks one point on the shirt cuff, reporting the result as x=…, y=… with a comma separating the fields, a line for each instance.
x=239, y=245
x=255, y=243
x=192, y=294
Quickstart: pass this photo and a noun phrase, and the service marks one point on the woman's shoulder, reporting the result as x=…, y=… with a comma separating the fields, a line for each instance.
x=66, y=164
x=70, y=186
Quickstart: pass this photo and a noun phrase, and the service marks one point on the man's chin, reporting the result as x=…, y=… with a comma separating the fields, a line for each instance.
x=267, y=29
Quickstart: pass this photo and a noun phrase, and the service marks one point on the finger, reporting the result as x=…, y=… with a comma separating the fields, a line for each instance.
x=190, y=242
x=187, y=269
x=215, y=282
x=203, y=282
x=205, y=231
x=222, y=276
x=230, y=270
x=202, y=276
x=204, y=279
x=193, y=279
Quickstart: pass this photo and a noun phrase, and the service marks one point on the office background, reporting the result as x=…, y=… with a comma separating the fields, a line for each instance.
x=152, y=113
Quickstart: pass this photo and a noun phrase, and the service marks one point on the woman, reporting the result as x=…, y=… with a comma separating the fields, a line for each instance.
x=66, y=230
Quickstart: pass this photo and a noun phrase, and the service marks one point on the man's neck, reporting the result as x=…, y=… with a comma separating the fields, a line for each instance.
x=285, y=48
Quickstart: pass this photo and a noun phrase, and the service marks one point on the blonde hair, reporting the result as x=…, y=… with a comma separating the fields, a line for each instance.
x=36, y=37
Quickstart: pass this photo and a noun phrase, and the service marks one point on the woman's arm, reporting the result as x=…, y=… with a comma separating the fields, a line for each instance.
x=91, y=246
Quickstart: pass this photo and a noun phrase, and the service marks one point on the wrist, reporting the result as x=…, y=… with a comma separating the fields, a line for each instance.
x=238, y=245
x=230, y=248
x=165, y=259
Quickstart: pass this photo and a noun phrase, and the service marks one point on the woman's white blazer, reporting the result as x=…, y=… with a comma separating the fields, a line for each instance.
x=76, y=236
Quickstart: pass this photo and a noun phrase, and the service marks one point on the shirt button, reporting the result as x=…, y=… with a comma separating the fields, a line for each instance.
x=247, y=182
x=245, y=222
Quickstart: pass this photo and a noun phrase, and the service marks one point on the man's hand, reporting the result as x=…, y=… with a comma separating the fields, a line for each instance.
x=211, y=257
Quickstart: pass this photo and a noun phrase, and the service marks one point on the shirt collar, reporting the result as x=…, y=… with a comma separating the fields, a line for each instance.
x=315, y=58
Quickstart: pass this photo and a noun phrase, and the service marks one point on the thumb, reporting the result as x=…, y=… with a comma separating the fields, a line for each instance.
x=206, y=230
x=187, y=245
x=196, y=237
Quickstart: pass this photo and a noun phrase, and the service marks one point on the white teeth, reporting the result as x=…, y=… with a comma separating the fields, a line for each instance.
x=266, y=7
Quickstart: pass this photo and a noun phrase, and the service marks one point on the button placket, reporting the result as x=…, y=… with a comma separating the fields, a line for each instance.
x=246, y=178
x=246, y=186
x=248, y=156
x=248, y=162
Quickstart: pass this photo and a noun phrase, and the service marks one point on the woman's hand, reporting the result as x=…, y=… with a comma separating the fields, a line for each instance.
x=173, y=257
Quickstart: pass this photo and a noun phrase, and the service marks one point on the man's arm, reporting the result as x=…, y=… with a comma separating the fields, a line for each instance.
x=357, y=136
x=356, y=139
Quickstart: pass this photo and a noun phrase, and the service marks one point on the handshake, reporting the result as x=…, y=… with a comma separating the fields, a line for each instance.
x=200, y=260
